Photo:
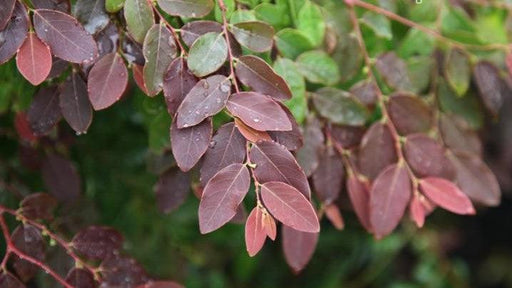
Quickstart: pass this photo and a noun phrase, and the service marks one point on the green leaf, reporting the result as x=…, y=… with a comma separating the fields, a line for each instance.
x=379, y=24
x=348, y=56
x=312, y=23
x=187, y=8
x=255, y=35
x=298, y=105
x=467, y=107
x=158, y=132
x=230, y=7
x=273, y=14
x=420, y=69
x=416, y=42
x=113, y=6
x=139, y=18
x=207, y=54
x=318, y=67
x=490, y=28
x=428, y=11
x=291, y=43
x=242, y=16
x=339, y=107
x=458, y=70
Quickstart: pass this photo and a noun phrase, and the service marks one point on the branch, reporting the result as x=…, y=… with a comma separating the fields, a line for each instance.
x=222, y=7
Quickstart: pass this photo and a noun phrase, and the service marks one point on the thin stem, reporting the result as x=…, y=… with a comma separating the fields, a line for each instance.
x=173, y=31
x=222, y=7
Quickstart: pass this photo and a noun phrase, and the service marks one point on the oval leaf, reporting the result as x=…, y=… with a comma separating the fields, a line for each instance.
x=409, y=114
x=189, y=144
x=74, y=104
x=394, y=71
x=308, y=155
x=255, y=234
x=171, y=190
x=27, y=239
x=292, y=139
x=328, y=177
x=97, y=242
x=318, y=67
x=289, y=206
x=221, y=197
x=178, y=81
x=14, y=34
x=426, y=157
x=377, y=150
x=447, y=195
x=458, y=70
x=34, y=60
x=298, y=247
x=207, y=54
x=80, y=278
x=44, y=111
x=6, y=9
x=490, y=85
x=255, y=35
x=186, y=8
x=359, y=194
x=38, y=206
x=92, y=14
x=250, y=134
x=193, y=30
x=340, y=107
x=139, y=18
x=291, y=43
x=109, y=69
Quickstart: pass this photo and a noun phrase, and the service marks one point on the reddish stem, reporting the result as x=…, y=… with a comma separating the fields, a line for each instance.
x=173, y=31
x=222, y=7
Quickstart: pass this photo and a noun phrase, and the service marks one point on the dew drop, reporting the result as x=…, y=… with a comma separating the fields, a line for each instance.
x=185, y=125
x=78, y=133
x=256, y=120
x=193, y=14
x=212, y=144
x=225, y=88
x=206, y=85
x=218, y=100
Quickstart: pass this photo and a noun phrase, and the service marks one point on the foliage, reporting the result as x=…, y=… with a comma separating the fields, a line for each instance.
x=279, y=115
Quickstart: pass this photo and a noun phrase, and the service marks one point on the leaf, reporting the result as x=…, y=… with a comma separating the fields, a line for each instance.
x=318, y=67
x=346, y=136
x=92, y=14
x=207, y=54
x=291, y=43
x=250, y=134
x=366, y=91
x=34, y=60
x=132, y=51
x=7, y=280
x=178, y=81
x=6, y=10
x=298, y=247
x=97, y=242
x=227, y=147
x=458, y=70
x=171, y=190
x=109, y=69
x=329, y=176
x=138, y=78
x=348, y=56
x=44, y=112
x=80, y=278
x=113, y=6
x=61, y=178
x=59, y=5
x=409, y=113
x=187, y=8
x=292, y=139
x=475, y=179
x=426, y=157
x=490, y=85
x=207, y=98
x=67, y=39
x=394, y=71
x=289, y=206
x=255, y=35
x=310, y=21
x=377, y=150
x=359, y=194
x=193, y=30
x=308, y=155
x=389, y=196
x=275, y=163
x=74, y=104
x=28, y=240
x=458, y=137
x=161, y=284
x=339, y=107
x=139, y=18
x=255, y=73
x=419, y=208
x=189, y=144
x=38, y=206
x=159, y=50
x=122, y=271
x=255, y=232
x=447, y=195
x=332, y=212
x=258, y=111
x=14, y=34
x=379, y=24
x=298, y=104
x=274, y=14
x=222, y=195
x=468, y=108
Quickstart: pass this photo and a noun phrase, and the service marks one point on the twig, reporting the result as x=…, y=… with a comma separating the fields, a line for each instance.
x=222, y=7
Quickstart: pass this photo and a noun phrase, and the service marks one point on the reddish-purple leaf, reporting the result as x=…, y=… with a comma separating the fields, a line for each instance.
x=6, y=9
x=359, y=193
x=475, y=179
x=74, y=104
x=227, y=147
x=109, y=69
x=257, y=74
x=28, y=240
x=61, y=178
x=409, y=114
x=222, y=195
x=161, y=284
x=189, y=144
x=66, y=37
x=7, y=280
x=44, y=112
x=58, y=67
x=207, y=98
x=34, y=60
x=97, y=242
x=60, y=5
x=346, y=136
x=14, y=34
x=298, y=247
x=377, y=150
x=23, y=127
x=38, y=206
x=240, y=216
x=394, y=71
x=80, y=278
x=171, y=190
x=122, y=271
x=269, y=225
x=458, y=137
x=255, y=234
x=366, y=92
x=159, y=50
x=194, y=29
x=490, y=85
x=138, y=77
x=308, y=155
x=178, y=81
x=289, y=206
x=389, y=197
x=332, y=212
x=447, y=195
x=328, y=177
x=426, y=157
x=259, y=111
x=420, y=207
x=275, y=163
x=250, y=134
x=292, y=139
